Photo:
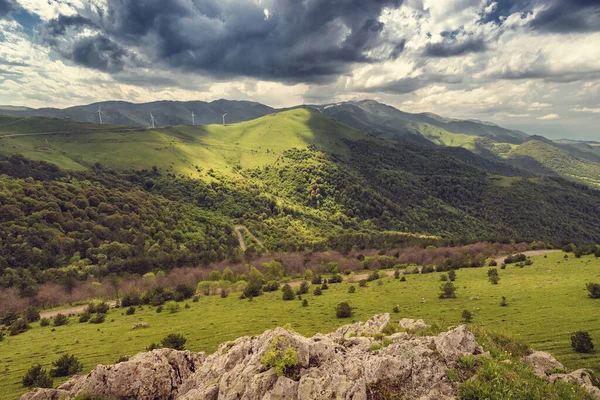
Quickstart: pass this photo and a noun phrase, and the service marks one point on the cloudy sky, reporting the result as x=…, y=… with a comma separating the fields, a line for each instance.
x=527, y=64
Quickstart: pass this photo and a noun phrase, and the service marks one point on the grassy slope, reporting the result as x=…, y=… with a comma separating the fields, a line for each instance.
x=183, y=148
x=557, y=160
x=547, y=302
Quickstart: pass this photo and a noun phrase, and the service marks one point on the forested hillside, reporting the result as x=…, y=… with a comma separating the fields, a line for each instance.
x=297, y=180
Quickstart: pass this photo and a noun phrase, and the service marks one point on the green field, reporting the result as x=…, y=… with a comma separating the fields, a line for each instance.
x=546, y=303
x=180, y=149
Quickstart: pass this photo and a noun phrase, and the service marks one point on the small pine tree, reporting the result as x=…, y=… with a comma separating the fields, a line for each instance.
x=503, y=303
x=493, y=276
x=448, y=291
x=304, y=303
x=174, y=341
x=452, y=275
x=351, y=289
x=594, y=289
x=60, y=320
x=467, y=316
x=403, y=279
x=36, y=376
x=582, y=342
x=343, y=310
x=288, y=293
x=318, y=291
x=66, y=365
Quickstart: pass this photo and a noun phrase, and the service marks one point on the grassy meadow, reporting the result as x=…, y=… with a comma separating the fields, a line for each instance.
x=546, y=303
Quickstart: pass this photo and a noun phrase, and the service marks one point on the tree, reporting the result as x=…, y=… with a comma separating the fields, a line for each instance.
x=115, y=281
x=214, y=276
x=66, y=365
x=448, y=291
x=594, y=289
x=228, y=275
x=18, y=327
x=31, y=314
x=467, y=316
x=273, y=270
x=343, y=310
x=303, y=287
x=503, y=303
x=318, y=291
x=288, y=293
x=36, y=376
x=351, y=289
x=174, y=341
x=452, y=275
x=582, y=342
x=255, y=283
x=493, y=276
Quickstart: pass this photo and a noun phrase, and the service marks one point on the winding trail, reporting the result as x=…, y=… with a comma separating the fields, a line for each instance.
x=238, y=228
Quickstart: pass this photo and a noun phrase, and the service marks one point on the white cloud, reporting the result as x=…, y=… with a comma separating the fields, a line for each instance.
x=549, y=116
x=586, y=110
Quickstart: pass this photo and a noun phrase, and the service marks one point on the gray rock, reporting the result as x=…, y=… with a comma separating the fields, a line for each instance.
x=542, y=363
x=413, y=325
x=581, y=377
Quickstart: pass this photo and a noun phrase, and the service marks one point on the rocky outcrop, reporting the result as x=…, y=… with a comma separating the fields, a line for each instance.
x=543, y=363
x=413, y=325
x=355, y=362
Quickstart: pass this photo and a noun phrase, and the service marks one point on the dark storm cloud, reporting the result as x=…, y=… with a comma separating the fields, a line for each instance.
x=6, y=7
x=569, y=16
x=452, y=48
x=298, y=40
x=409, y=85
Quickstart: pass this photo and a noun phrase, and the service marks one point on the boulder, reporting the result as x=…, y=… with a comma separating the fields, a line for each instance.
x=542, y=363
x=413, y=325
x=581, y=377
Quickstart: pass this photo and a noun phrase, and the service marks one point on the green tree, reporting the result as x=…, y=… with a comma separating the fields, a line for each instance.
x=228, y=275
x=66, y=365
x=288, y=293
x=273, y=270
x=36, y=376
x=467, y=316
x=582, y=342
x=448, y=291
x=343, y=310
x=594, y=289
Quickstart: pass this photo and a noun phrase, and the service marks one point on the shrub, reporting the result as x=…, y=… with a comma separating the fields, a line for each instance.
x=317, y=280
x=336, y=279
x=130, y=311
x=582, y=342
x=44, y=321
x=271, y=286
x=503, y=303
x=303, y=287
x=403, y=279
x=36, y=376
x=528, y=262
x=195, y=299
x=515, y=258
x=594, y=289
x=443, y=277
x=60, y=320
x=159, y=309
x=131, y=299
x=9, y=318
x=97, y=318
x=452, y=275
x=280, y=358
x=493, y=263
x=31, y=314
x=288, y=293
x=396, y=309
x=324, y=286
x=183, y=292
x=101, y=308
x=448, y=291
x=362, y=283
x=373, y=276
x=304, y=303
x=502, y=266
x=224, y=294
x=343, y=310
x=351, y=289
x=397, y=274
x=493, y=276
x=427, y=269
x=467, y=316
x=174, y=341
x=379, y=282
x=172, y=307
x=66, y=365
x=84, y=316
x=18, y=327
x=318, y=291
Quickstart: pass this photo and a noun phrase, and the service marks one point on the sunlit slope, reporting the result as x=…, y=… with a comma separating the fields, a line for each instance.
x=186, y=149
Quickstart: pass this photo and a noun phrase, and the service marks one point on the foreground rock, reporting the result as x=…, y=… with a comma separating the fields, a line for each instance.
x=354, y=362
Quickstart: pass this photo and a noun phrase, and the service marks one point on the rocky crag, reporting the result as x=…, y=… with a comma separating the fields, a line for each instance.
x=357, y=361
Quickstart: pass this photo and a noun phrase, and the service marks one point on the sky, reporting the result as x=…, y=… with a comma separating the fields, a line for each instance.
x=532, y=65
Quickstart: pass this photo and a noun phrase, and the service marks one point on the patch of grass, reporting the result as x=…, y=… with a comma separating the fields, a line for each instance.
x=548, y=302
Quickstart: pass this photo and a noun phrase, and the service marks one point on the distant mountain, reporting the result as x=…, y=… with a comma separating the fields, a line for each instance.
x=380, y=118
x=166, y=113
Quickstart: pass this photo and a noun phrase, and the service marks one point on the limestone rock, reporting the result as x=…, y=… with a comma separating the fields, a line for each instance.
x=413, y=325
x=542, y=363
x=581, y=377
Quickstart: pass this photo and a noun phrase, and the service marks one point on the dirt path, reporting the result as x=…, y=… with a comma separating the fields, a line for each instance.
x=356, y=278
x=239, y=229
x=529, y=253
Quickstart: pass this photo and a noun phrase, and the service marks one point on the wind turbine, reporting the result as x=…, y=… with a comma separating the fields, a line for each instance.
x=193, y=120
x=152, y=119
x=224, y=119
x=100, y=112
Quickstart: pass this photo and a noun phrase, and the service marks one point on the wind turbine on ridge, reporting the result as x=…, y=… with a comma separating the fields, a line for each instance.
x=100, y=112
x=152, y=119
x=224, y=119
x=193, y=120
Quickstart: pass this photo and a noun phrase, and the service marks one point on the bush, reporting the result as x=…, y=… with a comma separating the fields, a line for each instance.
x=515, y=258
x=18, y=327
x=396, y=309
x=318, y=291
x=362, y=283
x=403, y=279
x=130, y=311
x=502, y=266
x=594, y=289
x=172, y=307
x=452, y=275
x=448, y=291
x=343, y=310
x=373, y=276
x=317, y=280
x=66, y=365
x=174, y=341
x=324, y=286
x=351, y=289
x=97, y=318
x=60, y=320
x=131, y=299
x=36, y=376
x=159, y=309
x=397, y=274
x=427, y=269
x=31, y=314
x=493, y=276
x=100, y=308
x=271, y=286
x=44, y=322
x=84, y=316
x=288, y=293
x=304, y=303
x=183, y=292
x=443, y=277
x=224, y=294
x=303, y=287
x=336, y=279
x=280, y=358
x=467, y=316
x=503, y=303
x=582, y=342
x=493, y=263
x=9, y=318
